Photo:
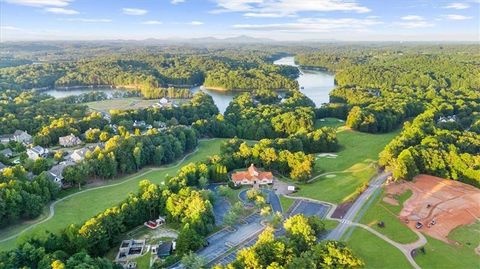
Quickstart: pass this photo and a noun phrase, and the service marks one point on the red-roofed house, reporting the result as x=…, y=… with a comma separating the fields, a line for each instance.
x=252, y=177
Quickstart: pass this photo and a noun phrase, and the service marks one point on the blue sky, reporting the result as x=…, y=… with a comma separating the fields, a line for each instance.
x=359, y=20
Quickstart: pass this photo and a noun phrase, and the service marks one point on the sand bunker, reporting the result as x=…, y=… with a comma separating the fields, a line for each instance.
x=327, y=155
x=450, y=203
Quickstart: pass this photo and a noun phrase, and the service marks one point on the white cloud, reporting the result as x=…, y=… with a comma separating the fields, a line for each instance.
x=313, y=25
x=456, y=17
x=10, y=28
x=87, y=20
x=457, y=6
x=412, y=18
x=414, y=21
x=40, y=3
x=134, y=11
x=61, y=10
x=196, y=23
x=152, y=22
x=177, y=1
x=280, y=8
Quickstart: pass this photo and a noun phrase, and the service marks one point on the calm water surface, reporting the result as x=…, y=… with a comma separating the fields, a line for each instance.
x=313, y=83
x=62, y=93
x=316, y=84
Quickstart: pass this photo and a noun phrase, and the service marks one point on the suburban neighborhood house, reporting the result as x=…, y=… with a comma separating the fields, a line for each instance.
x=79, y=154
x=18, y=136
x=252, y=177
x=37, y=152
x=2, y=166
x=69, y=141
x=7, y=153
x=55, y=173
x=22, y=137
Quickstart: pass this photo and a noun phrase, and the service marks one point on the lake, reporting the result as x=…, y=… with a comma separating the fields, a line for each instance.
x=313, y=83
x=316, y=86
x=65, y=93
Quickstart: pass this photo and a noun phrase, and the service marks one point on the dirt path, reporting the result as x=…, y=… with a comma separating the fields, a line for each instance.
x=132, y=177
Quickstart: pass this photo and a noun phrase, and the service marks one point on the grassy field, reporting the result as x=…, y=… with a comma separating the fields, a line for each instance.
x=285, y=202
x=123, y=103
x=376, y=253
x=329, y=122
x=442, y=255
x=353, y=166
x=394, y=228
x=79, y=208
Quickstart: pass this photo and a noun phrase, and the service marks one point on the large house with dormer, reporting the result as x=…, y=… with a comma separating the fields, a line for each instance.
x=252, y=176
x=37, y=152
x=69, y=141
x=22, y=137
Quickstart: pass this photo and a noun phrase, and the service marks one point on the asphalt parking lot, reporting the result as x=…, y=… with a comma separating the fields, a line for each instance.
x=222, y=241
x=309, y=208
x=271, y=198
x=220, y=206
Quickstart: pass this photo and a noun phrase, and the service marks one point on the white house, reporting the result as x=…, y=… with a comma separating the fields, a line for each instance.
x=79, y=154
x=69, y=141
x=22, y=137
x=37, y=152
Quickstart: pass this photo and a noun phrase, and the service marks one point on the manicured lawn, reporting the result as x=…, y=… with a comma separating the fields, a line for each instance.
x=442, y=255
x=330, y=224
x=394, y=228
x=285, y=202
x=123, y=103
x=77, y=209
x=353, y=166
x=143, y=262
x=376, y=253
x=468, y=236
x=329, y=122
x=335, y=189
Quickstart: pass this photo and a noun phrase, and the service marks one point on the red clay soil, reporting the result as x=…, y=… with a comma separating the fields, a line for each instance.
x=450, y=203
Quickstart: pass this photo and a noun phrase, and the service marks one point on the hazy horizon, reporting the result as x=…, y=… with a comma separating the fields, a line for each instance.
x=280, y=20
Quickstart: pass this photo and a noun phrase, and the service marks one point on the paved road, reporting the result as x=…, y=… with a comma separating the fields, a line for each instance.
x=347, y=220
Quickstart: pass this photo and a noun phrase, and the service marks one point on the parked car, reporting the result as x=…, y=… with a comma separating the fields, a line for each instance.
x=419, y=225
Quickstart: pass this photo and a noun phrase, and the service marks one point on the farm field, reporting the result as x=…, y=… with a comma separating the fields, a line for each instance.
x=340, y=174
x=79, y=208
x=375, y=252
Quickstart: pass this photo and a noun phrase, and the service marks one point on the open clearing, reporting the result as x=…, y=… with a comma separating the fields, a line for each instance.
x=79, y=208
x=375, y=252
x=388, y=214
x=123, y=103
x=449, y=203
x=460, y=252
x=351, y=168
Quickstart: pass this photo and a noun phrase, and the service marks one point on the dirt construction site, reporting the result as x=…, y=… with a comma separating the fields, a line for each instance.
x=436, y=205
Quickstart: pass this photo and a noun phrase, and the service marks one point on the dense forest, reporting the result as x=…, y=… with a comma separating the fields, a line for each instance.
x=437, y=88
x=151, y=74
